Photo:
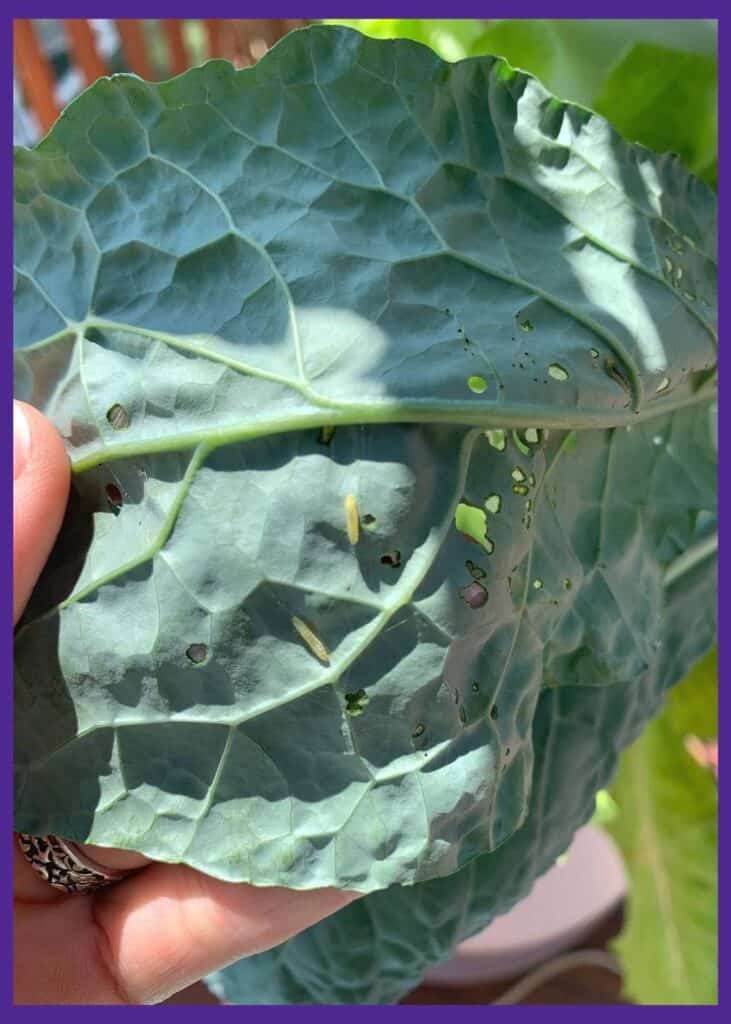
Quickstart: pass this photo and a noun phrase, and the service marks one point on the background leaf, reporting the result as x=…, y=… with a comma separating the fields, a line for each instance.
x=666, y=826
x=667, y=100
x=574, y=58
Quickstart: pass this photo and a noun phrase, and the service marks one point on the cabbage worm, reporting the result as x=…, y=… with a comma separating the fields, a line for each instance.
x=315, y=645
x=351, y=519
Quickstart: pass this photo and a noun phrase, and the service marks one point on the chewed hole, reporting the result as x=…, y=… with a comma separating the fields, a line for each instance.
x=197, y=653
x=356, y=702
x=558, y=372
x=368, y=520
x=493, y=712
x=493, y=503
x=114, y=497
x=392, y=558
x=118, y=417
x=474, y=594
x=497, y=438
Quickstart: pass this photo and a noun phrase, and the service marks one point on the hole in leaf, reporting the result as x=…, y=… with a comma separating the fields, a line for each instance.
x=114, y=497
x=118, y=417
x=493, y=712
x=368, y=520
x=472, y=522
x=520, y=444
x=419, y=730
x=197, y=653
x=497, y=439
x=392, y=558
x=474, y=594
x=475, y=571
x=558, y=372
x=356, y=702
x=493, y=503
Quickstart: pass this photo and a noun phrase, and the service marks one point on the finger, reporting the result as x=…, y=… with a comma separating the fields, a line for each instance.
x=170, y=926
x=41, y=483
x=30, y=887
x=40, y=490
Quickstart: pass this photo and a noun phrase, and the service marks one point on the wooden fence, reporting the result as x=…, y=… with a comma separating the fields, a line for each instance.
x=152, y=49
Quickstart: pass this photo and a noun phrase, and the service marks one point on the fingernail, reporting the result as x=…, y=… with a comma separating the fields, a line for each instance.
x=21, y=440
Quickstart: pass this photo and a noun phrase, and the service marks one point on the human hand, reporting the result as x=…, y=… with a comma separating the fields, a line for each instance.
x=165, y=926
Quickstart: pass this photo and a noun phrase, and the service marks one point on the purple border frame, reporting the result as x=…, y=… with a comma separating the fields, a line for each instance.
x=298, y=8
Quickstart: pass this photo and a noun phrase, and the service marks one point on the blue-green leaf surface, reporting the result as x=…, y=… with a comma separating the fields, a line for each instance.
x=356, y=279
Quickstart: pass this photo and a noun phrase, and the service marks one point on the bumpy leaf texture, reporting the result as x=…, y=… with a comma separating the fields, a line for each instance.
x=388, y=388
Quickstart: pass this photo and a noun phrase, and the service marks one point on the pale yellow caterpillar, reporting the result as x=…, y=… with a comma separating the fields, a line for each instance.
x=352, y=519
x=314, y=644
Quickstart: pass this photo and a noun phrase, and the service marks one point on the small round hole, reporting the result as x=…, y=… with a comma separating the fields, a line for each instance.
x=392, y=558
x=197, y=653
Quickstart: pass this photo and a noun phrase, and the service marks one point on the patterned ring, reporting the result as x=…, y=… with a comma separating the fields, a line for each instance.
x=62, y=864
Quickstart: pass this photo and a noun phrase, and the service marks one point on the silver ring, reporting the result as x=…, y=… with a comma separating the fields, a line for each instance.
x=62, y=864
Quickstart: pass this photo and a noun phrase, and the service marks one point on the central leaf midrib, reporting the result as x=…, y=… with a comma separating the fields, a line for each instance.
x=380, y=412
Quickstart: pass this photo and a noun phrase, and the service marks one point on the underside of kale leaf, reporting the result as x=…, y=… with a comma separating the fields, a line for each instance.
x=388, y=386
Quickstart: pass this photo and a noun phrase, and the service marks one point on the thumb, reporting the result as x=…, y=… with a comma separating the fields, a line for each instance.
x=41, y=485
x=40, y=489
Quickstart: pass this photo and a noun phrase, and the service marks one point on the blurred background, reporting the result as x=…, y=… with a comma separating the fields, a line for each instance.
x=629, y=915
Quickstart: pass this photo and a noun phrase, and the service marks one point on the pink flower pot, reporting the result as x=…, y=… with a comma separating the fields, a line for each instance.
x=563, y=907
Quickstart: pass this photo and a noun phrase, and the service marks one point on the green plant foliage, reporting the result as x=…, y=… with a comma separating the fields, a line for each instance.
x=296, y=324
x=453, y=39
x=667, y=100
x=666, y=825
